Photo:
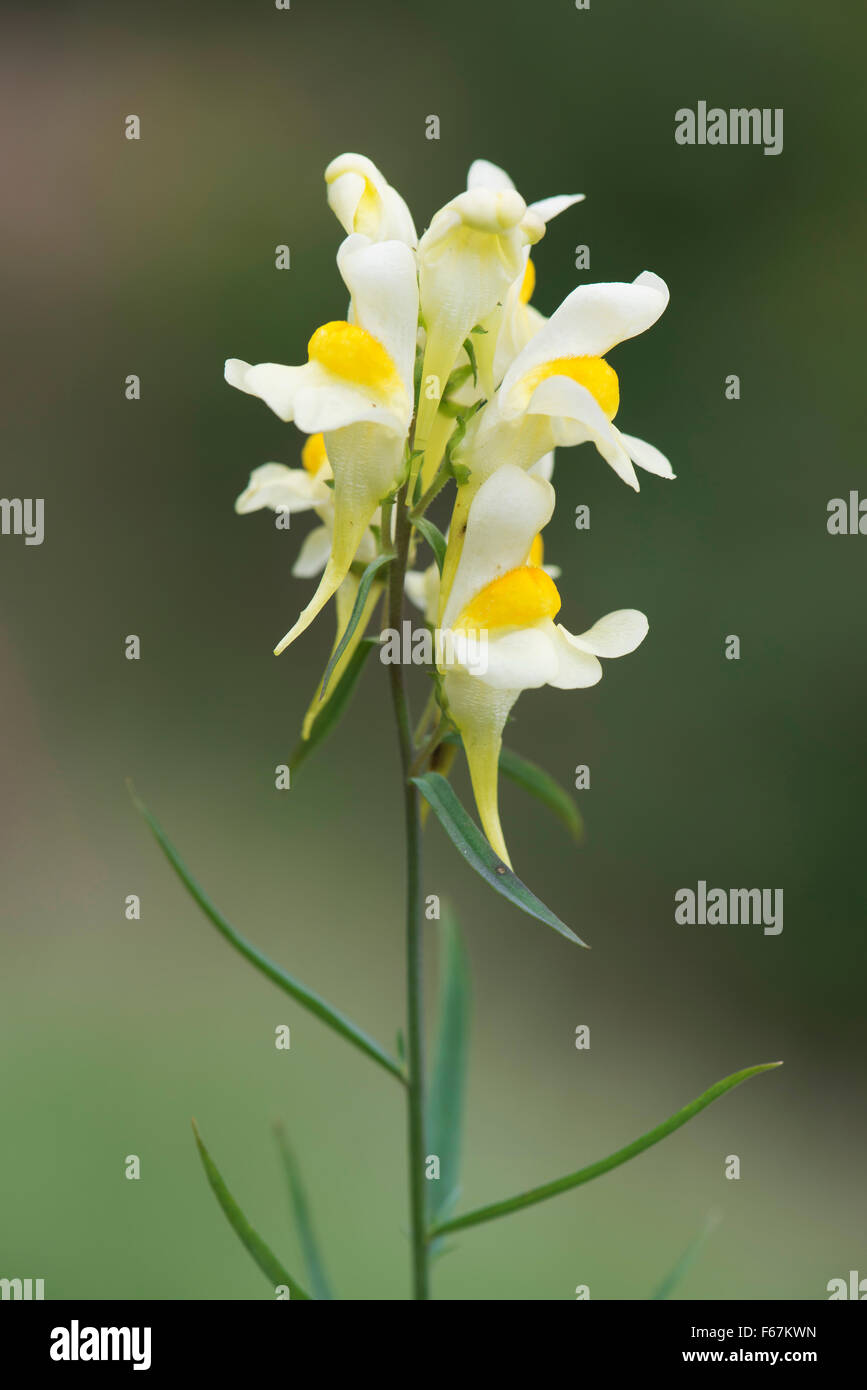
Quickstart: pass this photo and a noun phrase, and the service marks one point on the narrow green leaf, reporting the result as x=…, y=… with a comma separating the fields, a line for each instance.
x=604, y=1165
x=434, y=537
x=688, y=1257
x=448, y=1073
x=318, y=1006
x=468, y=839
x=262, y=1254
x=319, y=1283
x=541, y=784
x=365, y=582
x=331, y=712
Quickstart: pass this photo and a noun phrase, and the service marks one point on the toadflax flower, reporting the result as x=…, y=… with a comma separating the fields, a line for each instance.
x=473, y=252
x=468, y=258
x=357, y=390
x=559, y=389
x=497, y=591
x=520, y=321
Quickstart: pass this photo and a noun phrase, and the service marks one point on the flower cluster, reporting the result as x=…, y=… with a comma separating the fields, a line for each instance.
x=444, y=371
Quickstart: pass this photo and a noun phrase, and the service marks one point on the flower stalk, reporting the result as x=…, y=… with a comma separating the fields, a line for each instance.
x=414, y=947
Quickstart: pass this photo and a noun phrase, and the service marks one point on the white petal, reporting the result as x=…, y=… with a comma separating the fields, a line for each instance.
x=543, y=467
x=316, y=399
x=616, y=634
x=483, y=174
x=345, y=192
x=274, y=384
x=382, y=279
x=576, y=669
x=397, y=221
x=547, y=208
x=324, y=402
x=235, y=371
x=282, y=489
x=590, y=321
x=314, y=553
x=653, y=282
x=506, y=514
x=566, y=400
x=647, y=456
x=519, y=660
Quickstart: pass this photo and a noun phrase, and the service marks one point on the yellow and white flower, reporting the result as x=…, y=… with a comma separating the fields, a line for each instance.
x=364, y=201
x=520, y=320
x=357, y=390
x=498, y=591
x=471, y=280
x=560, y=390
x=468, y=258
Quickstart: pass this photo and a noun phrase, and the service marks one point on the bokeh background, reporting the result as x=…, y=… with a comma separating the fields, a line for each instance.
x=157, y=258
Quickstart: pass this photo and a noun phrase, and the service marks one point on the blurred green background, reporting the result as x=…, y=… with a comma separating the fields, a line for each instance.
x=157, y=258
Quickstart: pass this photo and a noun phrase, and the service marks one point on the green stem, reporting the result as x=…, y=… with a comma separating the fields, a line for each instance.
x=441, y=477
x=415, y=1021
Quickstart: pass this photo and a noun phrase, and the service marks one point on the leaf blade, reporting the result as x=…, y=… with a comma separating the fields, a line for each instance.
x=304, y=996
x=595, y=1170
x=263, y=1255
x=319, y=1282
x=449, y=1070
x=472, y=844
x=434, y=537
x=358, y=607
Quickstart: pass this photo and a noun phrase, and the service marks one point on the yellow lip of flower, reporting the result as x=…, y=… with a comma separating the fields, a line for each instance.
x=528, y=284
x=313, y=455
x=537, y=551
x=355, y=355
x=594, y=373
x=519, y=598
